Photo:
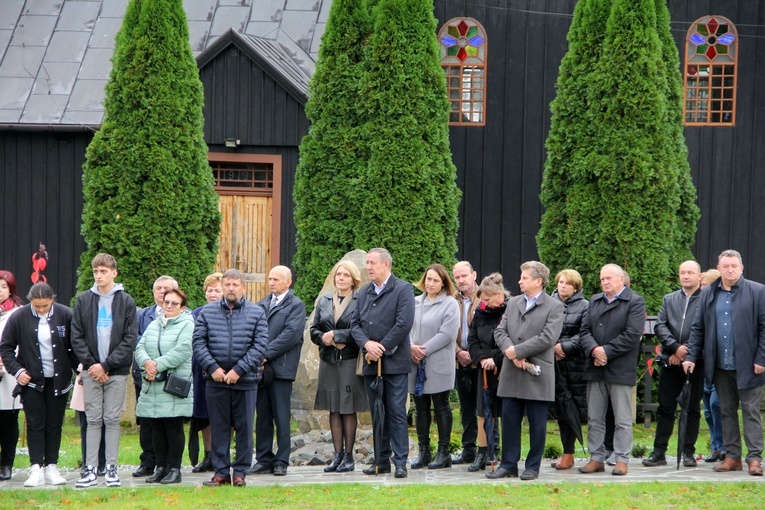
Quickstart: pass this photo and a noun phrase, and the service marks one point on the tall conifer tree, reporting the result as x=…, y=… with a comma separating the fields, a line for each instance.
x=148, y=189
x=333, y=153
x=410, y=195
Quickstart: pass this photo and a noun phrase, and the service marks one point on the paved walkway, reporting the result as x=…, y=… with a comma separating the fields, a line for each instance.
x=455, y=475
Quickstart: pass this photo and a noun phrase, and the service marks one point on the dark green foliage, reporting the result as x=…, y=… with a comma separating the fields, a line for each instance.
x=624, y=160
x=148, y=189
x=375, y=168
x=410, y=197
x=332, y=154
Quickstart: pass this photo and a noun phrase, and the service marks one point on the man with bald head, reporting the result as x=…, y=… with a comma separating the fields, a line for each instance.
x=673, y=327
x=610, y=337
x=286, y=320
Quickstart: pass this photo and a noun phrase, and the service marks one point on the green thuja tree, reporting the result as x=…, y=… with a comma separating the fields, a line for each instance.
x=688, y=211
x=630, y=218
x=567, y=179
x=410, y=197
x=147, y=186
x=333, y=153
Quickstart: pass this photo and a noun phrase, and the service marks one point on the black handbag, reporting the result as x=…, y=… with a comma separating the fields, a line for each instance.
x=177, y=386
x=174, y=384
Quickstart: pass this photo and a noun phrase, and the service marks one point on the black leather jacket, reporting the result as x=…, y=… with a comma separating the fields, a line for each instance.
x=324, y=321
x=673, y=325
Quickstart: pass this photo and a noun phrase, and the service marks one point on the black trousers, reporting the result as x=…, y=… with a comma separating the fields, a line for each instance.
x=229, y=408
x=273, y=410
x=169, y=440
x=512, y=417
x=45, y=418
x=465, y=382
x=146, y=438
x=671, y=382
x=9, y=436
x=395, y=436
x=84, y=441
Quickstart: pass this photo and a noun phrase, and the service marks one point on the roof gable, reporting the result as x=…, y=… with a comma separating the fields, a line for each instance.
x=55, y=55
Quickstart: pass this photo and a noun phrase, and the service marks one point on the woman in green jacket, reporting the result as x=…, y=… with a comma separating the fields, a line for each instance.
x=165, y=348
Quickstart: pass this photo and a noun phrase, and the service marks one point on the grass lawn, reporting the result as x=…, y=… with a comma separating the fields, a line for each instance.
x=567, y=496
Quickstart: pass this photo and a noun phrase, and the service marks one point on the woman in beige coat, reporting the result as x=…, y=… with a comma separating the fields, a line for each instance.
x=527, y=334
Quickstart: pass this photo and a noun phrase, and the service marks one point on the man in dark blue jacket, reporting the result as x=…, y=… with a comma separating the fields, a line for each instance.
x=230, y=340
x=380, y=326
x=729, y=332
x=286, y=322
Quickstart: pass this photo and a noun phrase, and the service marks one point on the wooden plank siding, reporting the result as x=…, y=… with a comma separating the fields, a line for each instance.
x=41, y=196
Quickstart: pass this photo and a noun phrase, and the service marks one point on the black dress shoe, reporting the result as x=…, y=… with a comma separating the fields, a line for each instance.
x=715, y=456
x=204, y=466
x=655, y=459
x=141, y=472
x=503, y=473
x=400, y=472
x=280, y=470
x=6, y=472
x=260, y=469
x=347, y=464
x=689, y=460
x=466, y=457
x=529, y=474
x=374, y=470
x=172, y=476
x=158, y=475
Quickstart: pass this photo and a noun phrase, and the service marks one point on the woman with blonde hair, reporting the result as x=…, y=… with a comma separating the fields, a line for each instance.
x=433, y=349
x=340, y=391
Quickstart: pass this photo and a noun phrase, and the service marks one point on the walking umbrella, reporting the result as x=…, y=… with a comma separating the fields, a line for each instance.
x=566, y=408
x=685, y=403
x=488, y=419
x=378, y=413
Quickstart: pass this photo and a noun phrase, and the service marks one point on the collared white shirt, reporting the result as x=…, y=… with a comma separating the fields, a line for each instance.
x=531, y=301
x=381, y=288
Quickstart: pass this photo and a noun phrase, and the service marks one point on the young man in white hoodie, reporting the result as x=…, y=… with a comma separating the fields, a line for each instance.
x=104, y=332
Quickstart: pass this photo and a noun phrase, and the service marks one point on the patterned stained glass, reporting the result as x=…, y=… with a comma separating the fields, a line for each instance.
x=463, y=45
x=710, y=72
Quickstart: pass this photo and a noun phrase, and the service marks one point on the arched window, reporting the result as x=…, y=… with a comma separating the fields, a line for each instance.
x=711, y=54
x=463, y=57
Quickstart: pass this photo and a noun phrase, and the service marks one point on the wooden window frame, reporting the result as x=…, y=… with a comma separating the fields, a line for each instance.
x=710, y=78
x=275, y=191
x=465, y=73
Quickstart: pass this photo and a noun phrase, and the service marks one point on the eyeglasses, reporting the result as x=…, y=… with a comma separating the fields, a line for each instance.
x=171, y=303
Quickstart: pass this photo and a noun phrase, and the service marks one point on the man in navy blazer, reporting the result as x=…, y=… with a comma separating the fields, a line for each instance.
x=380, y=326
x=285, y=313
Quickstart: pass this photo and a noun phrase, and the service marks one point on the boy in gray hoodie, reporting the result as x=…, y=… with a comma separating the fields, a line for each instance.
x=104, y=332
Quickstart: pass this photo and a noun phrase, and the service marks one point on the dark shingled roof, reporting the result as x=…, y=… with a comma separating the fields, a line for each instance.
x=55, y=54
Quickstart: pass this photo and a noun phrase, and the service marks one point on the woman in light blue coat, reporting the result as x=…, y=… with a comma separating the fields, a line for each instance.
x=165, y=348
x=433, y=344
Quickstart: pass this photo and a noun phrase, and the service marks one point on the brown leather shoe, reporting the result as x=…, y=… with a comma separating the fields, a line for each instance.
x=620, y=469
x=566, y=461
x=593, y=467
x=728, y=465
x=755, y=468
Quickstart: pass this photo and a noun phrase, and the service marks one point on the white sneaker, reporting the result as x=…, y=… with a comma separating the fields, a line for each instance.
x=52, y=475
x=36, y=477
x=88, y=478
x=111, y=479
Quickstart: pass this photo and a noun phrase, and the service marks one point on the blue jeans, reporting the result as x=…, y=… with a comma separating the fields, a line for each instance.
x=713, y=415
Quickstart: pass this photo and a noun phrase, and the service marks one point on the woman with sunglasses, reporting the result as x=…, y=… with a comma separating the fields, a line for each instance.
x=165, y=348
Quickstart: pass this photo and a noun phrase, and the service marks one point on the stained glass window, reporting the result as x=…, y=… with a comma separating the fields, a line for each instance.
x=463, y=57
x=711, y=54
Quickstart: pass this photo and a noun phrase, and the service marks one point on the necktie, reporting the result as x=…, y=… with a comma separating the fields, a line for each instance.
x=274, y=300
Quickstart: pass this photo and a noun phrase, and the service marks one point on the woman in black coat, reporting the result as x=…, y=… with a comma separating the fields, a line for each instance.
x=486, y=354
x=340, y=391
x=569, y=358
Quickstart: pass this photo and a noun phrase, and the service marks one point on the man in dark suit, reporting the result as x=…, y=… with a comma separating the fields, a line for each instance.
x=729, y=331
x=610, y=337
x=380, y=326
x=286, y=320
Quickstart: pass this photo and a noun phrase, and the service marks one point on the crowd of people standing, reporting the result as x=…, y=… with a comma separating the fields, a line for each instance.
x=229, y=366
